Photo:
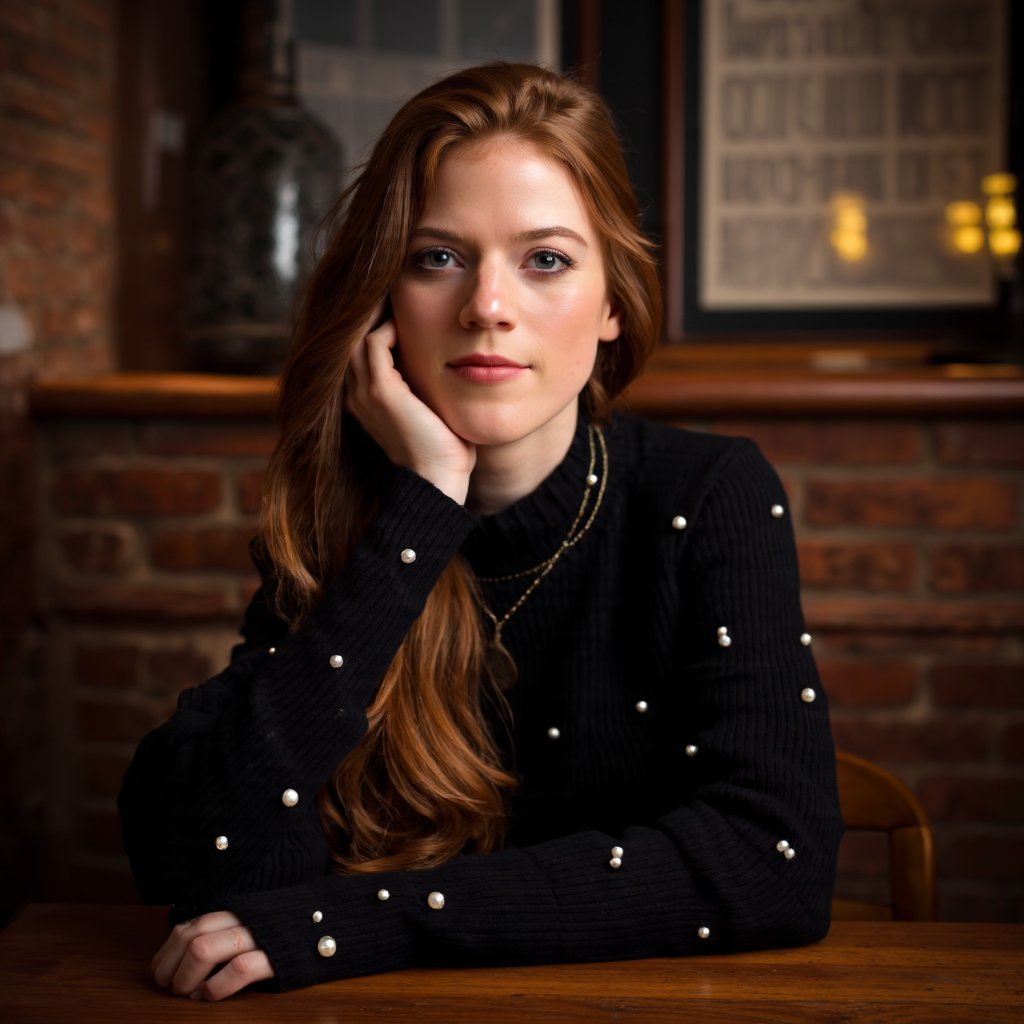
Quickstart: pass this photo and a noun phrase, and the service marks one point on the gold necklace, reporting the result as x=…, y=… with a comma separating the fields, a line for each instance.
x=501, y=663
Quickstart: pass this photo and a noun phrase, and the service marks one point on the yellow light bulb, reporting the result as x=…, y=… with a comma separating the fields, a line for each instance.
x=1004, y=243
x=1000, y=212
x=849, y=245
x=1000, y=184
x=968, y=238
x=963, y=213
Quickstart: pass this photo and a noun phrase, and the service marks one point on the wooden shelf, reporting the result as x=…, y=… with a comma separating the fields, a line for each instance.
x=667, y=390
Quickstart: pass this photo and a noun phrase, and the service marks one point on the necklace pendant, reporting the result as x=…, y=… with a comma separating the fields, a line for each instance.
x=501, y=665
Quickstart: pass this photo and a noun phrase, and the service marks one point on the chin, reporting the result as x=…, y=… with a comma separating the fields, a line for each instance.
x=491, y=427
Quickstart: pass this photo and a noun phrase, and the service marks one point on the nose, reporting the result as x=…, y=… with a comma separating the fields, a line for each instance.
x=490, y=301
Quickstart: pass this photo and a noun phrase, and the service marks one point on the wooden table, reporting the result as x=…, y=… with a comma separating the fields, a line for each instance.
x=89, y=964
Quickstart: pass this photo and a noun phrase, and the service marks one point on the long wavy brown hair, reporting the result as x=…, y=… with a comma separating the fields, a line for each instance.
x=426, y=782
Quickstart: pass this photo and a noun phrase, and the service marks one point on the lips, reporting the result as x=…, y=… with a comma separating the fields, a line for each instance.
x=487, y=369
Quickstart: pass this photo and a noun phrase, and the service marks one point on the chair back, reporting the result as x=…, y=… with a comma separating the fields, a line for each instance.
x=873, y=799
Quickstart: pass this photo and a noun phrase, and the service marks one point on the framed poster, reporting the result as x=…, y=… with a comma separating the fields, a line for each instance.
x=819, y=155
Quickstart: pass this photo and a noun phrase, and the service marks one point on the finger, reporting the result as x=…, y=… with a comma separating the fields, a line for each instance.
x=244, y=969
x=205, y=952
x=169, y=955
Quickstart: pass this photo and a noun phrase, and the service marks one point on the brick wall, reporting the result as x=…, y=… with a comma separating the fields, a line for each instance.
x=911, y=544
x=56, y=259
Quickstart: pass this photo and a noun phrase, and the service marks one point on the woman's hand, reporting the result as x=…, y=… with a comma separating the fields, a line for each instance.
x=194, y=948
x=408, y=430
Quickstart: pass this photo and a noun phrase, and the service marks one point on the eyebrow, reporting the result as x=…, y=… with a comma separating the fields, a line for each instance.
x=534, y=235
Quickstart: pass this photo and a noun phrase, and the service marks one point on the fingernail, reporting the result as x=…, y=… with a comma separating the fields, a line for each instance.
x=197, y=994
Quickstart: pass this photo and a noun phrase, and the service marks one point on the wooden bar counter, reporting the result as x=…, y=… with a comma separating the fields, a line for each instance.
x=80, y=963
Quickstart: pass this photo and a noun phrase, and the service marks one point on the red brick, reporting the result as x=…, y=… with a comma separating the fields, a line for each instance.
x=132, y=603
x=109, y=666
x=221, y=547
x=980, y=444
x=940, y=740
x=968, y=568
x=949, y=798
x=20, y=18
x=93, y=15
x=938, y=504
x=931, y=617
x=109, y=720
x=1012, y=751
x=869, y=683
x=978, y=685
x=250, y=490
x=102, y=550
x=35, y=104
x=45, y=67
x=78, y=440
x=137, y=491
x=171, y=670
x=220, y=438
x=102, y=774
x=101, y=832
x=865, y=565
x=994, y=856
x=80, y=158
x=902, y=644
x=831, y=442
x=86, y=46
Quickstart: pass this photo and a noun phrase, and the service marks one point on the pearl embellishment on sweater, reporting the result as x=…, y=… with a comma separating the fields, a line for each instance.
x=807, y=695
x=691, y=749
x=383, y=895
x=805, y=639
x=641, y=706
x=271, y=651
x=408, y=556
x=679, y=522
x=703, y=933
x=327, y=946
x=554, y=733
x=616, y=861
x=221, y=842
x=591, y=479
x=335, y=661
x=724, y=640
x=289, y=798
x=778, y=511
x=436, y=901
x=317, y=916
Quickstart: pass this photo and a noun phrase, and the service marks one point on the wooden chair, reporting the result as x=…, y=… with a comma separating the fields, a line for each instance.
x=873, y=799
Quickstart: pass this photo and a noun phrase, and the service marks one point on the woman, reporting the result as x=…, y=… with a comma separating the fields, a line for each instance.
x=525, y=682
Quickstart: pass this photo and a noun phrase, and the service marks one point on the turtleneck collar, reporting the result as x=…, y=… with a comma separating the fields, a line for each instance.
x=532, y=528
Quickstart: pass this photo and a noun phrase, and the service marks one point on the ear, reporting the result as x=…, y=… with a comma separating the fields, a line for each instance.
x=610, y=327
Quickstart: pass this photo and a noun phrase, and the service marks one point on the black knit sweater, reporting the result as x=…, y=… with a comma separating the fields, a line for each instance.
x=667, y=703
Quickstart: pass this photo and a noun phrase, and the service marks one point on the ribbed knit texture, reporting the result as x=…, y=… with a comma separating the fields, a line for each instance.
x=630, y=614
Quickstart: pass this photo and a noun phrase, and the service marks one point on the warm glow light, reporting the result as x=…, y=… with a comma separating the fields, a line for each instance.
x=849, y=245
x=849, y=236
x=1001, y=184
x=1004, y=242
x=963, y=213
x=1000, y=212
x=968, y=238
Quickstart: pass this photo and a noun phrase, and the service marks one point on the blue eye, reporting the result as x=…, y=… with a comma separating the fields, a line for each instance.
x=549, y=260
x=434, y=259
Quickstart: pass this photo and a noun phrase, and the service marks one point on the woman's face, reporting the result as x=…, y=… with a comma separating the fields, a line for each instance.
x=503, y=299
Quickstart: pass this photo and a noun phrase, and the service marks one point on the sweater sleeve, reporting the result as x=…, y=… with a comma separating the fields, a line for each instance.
x=220, y=798
x=746, y=857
